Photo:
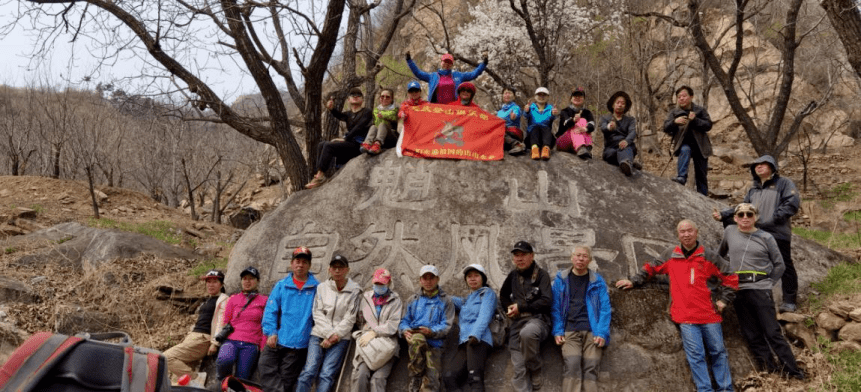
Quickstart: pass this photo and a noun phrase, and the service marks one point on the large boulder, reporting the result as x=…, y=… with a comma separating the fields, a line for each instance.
x=86, y=247
x=403, y=213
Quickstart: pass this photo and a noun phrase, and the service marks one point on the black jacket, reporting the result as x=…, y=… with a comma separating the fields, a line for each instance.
x=532, y=293
x=358, y=123
x=566, y=123
x=698, y=128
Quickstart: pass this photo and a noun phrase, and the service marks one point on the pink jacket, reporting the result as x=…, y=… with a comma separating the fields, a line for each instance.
x=247, y=327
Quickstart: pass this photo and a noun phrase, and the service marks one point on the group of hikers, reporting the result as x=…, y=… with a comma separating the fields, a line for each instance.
x=300, y=334
x=370, y=131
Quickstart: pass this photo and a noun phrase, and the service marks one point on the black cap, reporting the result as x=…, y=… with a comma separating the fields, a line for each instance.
x=250, y=271
x=338, y=259
x=213, y=274
x=355, y=91
x=522, y=246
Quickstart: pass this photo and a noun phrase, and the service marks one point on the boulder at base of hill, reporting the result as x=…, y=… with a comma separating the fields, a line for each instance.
x=402, y=213
x=71, y=320
x=14, y=291
x=86, y=247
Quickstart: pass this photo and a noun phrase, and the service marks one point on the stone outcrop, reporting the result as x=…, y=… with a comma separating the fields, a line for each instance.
x=403, y=213
x=86, y=247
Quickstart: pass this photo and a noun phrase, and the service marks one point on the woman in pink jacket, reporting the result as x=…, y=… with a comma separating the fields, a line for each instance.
x=244, y=312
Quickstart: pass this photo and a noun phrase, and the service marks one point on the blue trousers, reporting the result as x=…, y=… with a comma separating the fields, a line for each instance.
x=701, y=167
x=699, y=339
x=242, y=354
x=322, y=364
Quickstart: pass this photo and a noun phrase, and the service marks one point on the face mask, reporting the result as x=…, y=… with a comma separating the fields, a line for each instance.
x=381, y=289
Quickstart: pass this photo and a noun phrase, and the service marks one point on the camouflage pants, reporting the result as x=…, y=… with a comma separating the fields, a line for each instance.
x=424, y=365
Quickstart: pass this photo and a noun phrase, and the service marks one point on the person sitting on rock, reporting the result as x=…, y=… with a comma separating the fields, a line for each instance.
x=700, y=288
x=539, y=121
x=475, y=340
x=581, y=321
x=379, y=316
x=358, y=120
x=443, y=84
x=576, y=125
x=465, y=94
x=335, y=309
x=384, y=131
x=201, y=340
x=427, y=321
x=510, y=112
x=244, y=312
x=620, y=132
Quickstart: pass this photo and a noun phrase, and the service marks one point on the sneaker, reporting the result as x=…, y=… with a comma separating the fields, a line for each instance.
x=537, y=380
x=365, y=148
x=317, y=181
x=517, y=149
x=787, y=308
x=583, y=153
x=535, y=153
x=375, y=149
x=625, y=167
x=680, y=180
x=545, y=153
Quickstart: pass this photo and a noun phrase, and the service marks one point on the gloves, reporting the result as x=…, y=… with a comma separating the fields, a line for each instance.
x=366, y=338
x=408, y=56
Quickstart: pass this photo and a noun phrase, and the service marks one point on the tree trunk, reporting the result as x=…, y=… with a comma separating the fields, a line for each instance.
x=189, y=189
x=89, y=170
x=55, y=164
x=846, y=19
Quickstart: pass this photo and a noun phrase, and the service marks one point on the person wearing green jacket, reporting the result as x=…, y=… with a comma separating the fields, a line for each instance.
x=384, y=131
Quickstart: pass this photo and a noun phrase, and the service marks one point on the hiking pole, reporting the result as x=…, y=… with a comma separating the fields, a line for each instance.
x=672, y=144
x=344, y=364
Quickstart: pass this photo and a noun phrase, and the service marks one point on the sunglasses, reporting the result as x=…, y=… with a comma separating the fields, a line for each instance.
x=385, y=96
x=747, y=214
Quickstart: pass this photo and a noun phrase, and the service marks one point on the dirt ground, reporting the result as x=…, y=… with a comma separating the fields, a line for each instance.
x=126, y=290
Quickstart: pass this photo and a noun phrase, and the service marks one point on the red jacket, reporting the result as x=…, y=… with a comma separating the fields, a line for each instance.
x=405, y=105
x=691, y=296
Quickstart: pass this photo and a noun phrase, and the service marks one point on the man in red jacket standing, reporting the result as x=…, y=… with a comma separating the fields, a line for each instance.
x=699, y=292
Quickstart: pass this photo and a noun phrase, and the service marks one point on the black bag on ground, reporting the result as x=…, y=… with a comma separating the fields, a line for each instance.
x=59, y=363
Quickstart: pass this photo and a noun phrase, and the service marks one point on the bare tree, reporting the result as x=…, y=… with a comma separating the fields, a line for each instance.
x=16, y=128
x=845, y=16
x=258, y=36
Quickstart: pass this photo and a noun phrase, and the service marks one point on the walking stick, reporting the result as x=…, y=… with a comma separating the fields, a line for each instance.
x=344, y=365
x=681, y=137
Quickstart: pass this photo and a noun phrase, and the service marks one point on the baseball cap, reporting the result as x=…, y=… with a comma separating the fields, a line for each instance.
x=414, y=85
x=356, y=92
x=382, y=276
x=302, y=252
x=213, y=274
x=745, y=207
x=429, y=269
x=542, y=90
x=474, y=267
x=338, y=259
x=578, y=91
x=250, y=271
x=448, y=57
x=523, y=246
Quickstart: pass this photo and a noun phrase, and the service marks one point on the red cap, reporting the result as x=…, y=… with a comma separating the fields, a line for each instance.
x=302, y=252
x=448, y=57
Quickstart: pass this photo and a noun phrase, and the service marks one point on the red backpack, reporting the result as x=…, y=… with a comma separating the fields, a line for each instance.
x=50, y=362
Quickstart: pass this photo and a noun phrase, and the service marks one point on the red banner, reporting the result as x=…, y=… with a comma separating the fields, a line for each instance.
x=452, y=132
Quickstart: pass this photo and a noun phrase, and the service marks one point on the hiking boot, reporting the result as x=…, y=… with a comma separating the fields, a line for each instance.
x=638, y=166
x=535, y=153
x=365, y=148
x=537, y=380
x=517, y=149
x=680, y=180
x=375, y=149
x=625, y=167
x=545, y=153
x=787, y=308
x=584, y=153
x=317, y=181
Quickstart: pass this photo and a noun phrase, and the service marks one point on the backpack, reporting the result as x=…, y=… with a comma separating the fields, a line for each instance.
x=49, y=362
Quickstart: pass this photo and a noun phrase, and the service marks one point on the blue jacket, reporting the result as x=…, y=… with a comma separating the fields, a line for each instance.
x=288, y=312
x=505, y=114
x=475, y=315
x=597, y=304
x=436, y=313
x=432, y=78
x=536, y=117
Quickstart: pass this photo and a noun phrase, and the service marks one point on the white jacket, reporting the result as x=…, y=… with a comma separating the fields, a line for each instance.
x=335, y=311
